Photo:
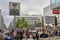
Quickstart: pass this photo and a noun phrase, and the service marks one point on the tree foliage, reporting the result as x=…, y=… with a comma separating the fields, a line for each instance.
x=55, y=20
x=38, y=24
x=22, y=23
x=42, y=21
x=18, y=23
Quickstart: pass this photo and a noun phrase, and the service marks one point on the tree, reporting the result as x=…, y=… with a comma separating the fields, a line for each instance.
x=22, y=23
x=55, y=20
x=35, y=23
x=18, y=23
x=42, y=21
x=38, y=24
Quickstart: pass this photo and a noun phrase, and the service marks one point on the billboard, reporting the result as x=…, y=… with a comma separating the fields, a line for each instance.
x=14, y=8
x=55, y=4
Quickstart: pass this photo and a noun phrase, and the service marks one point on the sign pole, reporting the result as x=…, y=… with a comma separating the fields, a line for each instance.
x=14, y=10
x=14, y=21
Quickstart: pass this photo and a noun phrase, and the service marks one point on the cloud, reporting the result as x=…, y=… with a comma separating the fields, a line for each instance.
x=8, y=19
x=24, y=8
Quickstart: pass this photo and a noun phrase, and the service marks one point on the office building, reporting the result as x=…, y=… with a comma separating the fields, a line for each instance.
x=48, y=15
x=29, y=18
x=2, y=24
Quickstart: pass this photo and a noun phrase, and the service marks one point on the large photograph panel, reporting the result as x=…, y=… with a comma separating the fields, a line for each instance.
x=14, y=8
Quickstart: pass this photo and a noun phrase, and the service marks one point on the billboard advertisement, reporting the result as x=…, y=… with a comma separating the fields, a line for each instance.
x=14, y=8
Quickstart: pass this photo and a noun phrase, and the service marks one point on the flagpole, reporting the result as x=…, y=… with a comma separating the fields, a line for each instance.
x=14, y=21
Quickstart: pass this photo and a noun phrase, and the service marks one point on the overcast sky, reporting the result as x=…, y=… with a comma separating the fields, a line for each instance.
x=32, y=6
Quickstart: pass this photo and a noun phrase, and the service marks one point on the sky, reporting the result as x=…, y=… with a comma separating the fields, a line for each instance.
x=31, y=7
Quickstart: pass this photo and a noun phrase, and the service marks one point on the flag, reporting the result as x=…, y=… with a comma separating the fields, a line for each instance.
x=55, y=11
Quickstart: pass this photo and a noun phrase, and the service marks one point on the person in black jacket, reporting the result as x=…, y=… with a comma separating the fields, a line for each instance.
x=19, y=34
x=37, y=36
x=55, y=33
x=44, y=35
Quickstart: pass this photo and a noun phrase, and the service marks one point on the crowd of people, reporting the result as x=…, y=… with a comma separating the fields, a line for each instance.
x=25, y=33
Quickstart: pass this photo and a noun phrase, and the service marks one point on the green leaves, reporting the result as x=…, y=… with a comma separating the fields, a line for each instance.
x=55, y=20
x=22, y=23
x=39, y=24
x=18, y=23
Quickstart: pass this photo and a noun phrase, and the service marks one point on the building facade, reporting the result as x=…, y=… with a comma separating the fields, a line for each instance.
x=2, y=24
x=10, y=26
x=48, y=15
x=29, y=18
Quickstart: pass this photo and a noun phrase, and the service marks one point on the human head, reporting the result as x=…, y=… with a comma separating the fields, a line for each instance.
x=14, y=5
x=44, y=30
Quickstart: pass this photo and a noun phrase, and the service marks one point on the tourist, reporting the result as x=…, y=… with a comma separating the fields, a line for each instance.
x=8, y=37
x=44, y=35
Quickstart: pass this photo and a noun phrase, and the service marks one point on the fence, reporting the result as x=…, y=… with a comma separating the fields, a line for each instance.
x=50, y=38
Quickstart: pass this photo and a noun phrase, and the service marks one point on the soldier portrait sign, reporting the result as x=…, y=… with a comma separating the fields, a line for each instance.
x=14, y=8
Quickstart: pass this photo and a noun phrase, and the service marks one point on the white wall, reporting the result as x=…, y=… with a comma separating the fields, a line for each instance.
x=48, y=11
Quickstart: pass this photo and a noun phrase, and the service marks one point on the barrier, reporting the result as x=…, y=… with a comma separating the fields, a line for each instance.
x=50, y=38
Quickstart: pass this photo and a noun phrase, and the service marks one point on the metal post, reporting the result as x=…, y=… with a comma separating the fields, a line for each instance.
x=14, y=22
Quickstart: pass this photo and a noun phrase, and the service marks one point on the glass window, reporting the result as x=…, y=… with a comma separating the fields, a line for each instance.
x=57, y=1
x=53, y=2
